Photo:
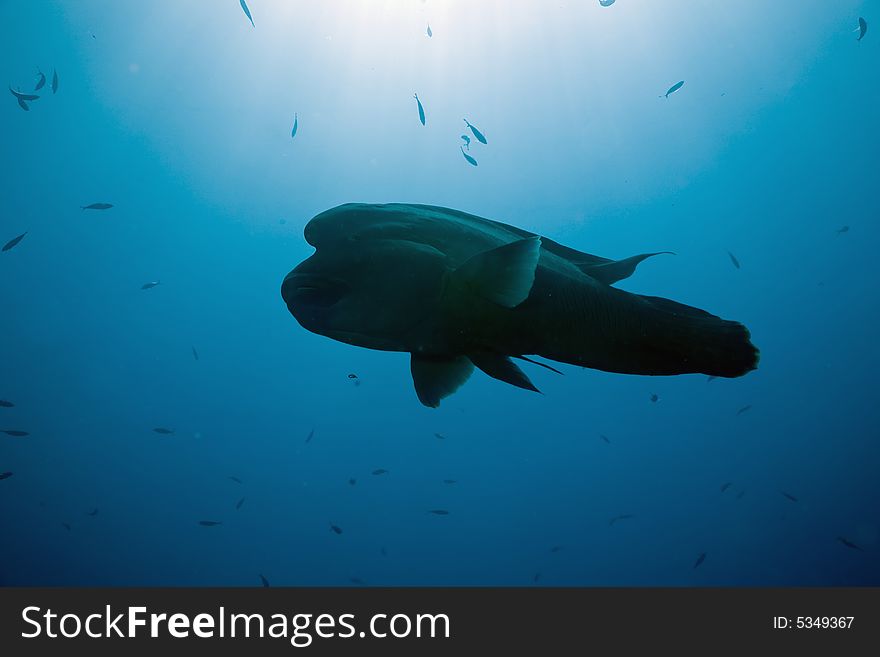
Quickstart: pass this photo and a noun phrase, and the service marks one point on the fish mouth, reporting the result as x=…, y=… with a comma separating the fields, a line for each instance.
x=309, y=290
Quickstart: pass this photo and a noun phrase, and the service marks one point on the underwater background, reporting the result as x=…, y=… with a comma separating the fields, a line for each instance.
x=179, y=114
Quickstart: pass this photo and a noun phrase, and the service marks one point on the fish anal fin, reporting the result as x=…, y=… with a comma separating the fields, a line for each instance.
x=437, y=377
x=500, y=367
x=503, y=275
x=616, y=270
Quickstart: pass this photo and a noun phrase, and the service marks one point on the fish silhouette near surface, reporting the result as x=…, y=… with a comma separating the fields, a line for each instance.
x=17, y=433
x=674, y=88
x=863, y=28
x=209, y=523
x=476, y=132
x=606, y=3
x=335, y=529
x=20, y=95
x=41, y=80
x=310, y=436
x=429, y=32
x=247, y=12
x=11, y=244
x=733, y=260
x=788, y=496
x=480, y=292
x=5, y=475
x=97, y=206
x=93, y=512
x=654, y=398
x=840, y=231
x=235, y=479
x=6, y=404
x=469, y=159
x=726, y=485
x=421, y=109
x=700, y=560
x=163, y=430
x=150, y=285
x=295, y=126
x=744, y=409
x=439, y=512
x=54, y=82
x=380, y=471
x=195, y=353
x=239, y=503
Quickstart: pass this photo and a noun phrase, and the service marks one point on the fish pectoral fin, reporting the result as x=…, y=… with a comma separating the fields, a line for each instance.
x=500, y=367
x=616, y=270
x=504, y=275
x=437, y=377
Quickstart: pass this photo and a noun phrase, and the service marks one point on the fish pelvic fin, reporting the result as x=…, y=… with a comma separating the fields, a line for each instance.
x=500, y=367
x=503, y=275
x=437, y=377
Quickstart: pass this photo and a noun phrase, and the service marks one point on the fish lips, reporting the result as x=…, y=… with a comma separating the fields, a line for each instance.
x=308, y=294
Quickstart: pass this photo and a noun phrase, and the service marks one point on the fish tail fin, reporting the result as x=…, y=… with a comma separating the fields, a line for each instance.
x=679, y=339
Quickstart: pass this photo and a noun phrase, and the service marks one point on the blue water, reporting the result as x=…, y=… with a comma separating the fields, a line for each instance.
x=180, y=114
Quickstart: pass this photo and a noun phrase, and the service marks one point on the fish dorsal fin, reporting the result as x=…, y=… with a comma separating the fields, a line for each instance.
x=616, y=270
x=500, y=367
x=438, y=377
x=503, y=275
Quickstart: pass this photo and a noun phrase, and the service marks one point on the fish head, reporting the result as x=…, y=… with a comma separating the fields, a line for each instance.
x=366, y=284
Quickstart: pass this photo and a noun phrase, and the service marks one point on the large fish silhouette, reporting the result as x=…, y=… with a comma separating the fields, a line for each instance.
x=456, y=291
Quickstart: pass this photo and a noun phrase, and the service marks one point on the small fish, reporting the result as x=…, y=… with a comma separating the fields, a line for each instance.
x=335, y=529
x=606, y=3
x=469, y=159
x=849, y=544
x=163, y=431
x=843, y=229
x=740, y=494
x=555, y=549
x=700, y=559
x=23, y=96
x=15, y=432
x=467, y=141
x=295, y=126
x=54, y=81
x=744, y=409
x=863, y=28
x=310, y=436
x=209, y=523
x=605, y=438
x=150, y=285
x=674, y=88
x=725, y=486
x=66, y=526
x=264, y=581
x=195, y=353
x=654, y=397
x=479, y=135
x=93, y=512
x=449, y=481
x=41, y=80
x=13, y=242
x=421, y=109
x=429, y=32
x=440, y=436
x=733, y=259
x=235, y=479
x=352, y=481
x=352, y=376
x=788, y=496
x=439, y=512
x=239, y=503
x=380, y=471
x=247, y=12
x=97, y=206
x=23, y=105
x=6, y=404
x=5, y=475
x=625, y=516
